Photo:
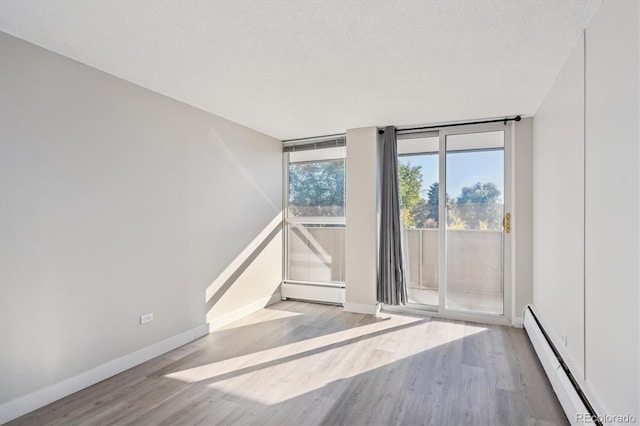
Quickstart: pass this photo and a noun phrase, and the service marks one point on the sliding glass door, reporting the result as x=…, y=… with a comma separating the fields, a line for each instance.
x=474, y=212
x=418, y=169
x=454, y=199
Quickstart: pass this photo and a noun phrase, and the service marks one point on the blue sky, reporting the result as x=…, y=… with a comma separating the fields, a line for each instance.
x=463, y=169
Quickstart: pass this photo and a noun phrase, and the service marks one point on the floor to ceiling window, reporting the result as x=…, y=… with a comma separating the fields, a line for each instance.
x=315, y=221
x=454, y=204
x=418, y=170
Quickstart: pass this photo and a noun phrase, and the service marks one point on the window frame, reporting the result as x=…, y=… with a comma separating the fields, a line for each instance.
x=289, y=221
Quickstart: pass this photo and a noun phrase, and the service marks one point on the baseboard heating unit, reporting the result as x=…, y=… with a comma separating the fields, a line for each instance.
x=575, y=404
x=332, y=294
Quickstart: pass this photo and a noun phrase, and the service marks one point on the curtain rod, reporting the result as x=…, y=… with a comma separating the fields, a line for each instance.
x=516, y=118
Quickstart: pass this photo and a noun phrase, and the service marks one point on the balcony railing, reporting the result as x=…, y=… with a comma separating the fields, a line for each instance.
x=316, y=254
x=474, y=262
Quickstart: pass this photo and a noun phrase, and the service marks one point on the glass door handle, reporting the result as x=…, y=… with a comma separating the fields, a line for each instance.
x=506, y=223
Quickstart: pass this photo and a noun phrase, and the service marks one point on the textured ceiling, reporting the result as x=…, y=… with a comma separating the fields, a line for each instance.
x=304, y=68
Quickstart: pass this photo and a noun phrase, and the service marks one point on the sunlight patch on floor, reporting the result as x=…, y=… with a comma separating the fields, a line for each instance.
x=288, y=371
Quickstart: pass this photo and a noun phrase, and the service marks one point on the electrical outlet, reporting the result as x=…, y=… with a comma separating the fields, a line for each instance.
x=146, y=318
x=564, y=339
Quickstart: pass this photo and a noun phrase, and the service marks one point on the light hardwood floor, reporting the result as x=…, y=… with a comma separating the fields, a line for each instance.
x=298, y=363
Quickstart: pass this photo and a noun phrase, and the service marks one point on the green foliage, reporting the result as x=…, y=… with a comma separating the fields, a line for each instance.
x=480, y=206
x=420, y=215
x=455, y=222
x=425, y=212
x=410, y=184
x=432, y=204
x=453, y=217
x=480, y=193
x=317, y=188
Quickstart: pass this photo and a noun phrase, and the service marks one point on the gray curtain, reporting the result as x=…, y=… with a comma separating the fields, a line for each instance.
x=392, y=283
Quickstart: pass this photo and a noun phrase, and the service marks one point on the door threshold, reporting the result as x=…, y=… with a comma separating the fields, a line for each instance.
x=456, y=316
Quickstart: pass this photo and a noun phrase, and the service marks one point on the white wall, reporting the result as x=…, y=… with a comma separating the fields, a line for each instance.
x=115, y=202
x=612, y=250
x=362, y=222
x=591, y=116
x=558, y=206
x=522, y=221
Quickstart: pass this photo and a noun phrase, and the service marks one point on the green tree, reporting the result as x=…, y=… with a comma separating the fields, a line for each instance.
x=454, y=221
x=433, y=201
x=420, y=215
x=410, y=178
x=317, y=188
x=478, y=203
x=425, y=212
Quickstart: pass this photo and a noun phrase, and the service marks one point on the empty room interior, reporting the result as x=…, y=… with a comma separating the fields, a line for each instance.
x=359, y=212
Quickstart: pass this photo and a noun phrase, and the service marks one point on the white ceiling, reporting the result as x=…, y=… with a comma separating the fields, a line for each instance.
x=305, y=68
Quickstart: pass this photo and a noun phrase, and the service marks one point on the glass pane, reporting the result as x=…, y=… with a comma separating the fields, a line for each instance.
x=316, y=253
x=315, y=216
x=316, y=188
x=475, y=208
x=418, y=173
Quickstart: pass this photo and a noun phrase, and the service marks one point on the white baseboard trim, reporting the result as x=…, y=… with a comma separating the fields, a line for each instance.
x=360, y=308
x=242, y=312
x=518, y=322
x=25, y=404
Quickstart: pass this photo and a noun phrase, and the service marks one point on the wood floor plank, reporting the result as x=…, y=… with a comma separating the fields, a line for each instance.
x=297, y=363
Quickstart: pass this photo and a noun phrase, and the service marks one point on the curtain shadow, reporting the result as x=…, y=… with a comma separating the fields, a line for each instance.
x=304, y=354
x=267, y=334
